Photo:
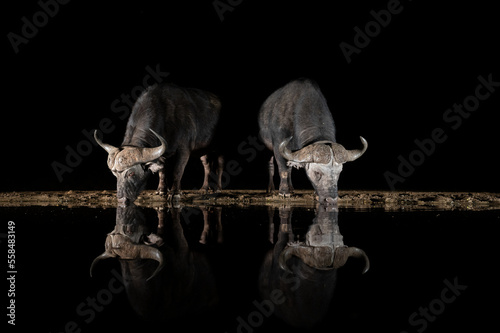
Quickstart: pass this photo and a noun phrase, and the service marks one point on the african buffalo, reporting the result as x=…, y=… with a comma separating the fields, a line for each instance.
x=305, y=272
x=296, y=124
x=167, y=121
x=178, y=281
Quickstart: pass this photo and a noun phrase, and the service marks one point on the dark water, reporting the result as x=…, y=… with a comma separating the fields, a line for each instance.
x=430, y=271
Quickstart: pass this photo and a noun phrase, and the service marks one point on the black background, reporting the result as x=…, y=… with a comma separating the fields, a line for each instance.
x=396, y=90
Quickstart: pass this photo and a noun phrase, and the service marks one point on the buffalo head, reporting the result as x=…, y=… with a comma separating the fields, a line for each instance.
x=323, y=162
x=323, y=257
x=122, y=247
x=132, y=166
x=323, y=247
x=306, y=271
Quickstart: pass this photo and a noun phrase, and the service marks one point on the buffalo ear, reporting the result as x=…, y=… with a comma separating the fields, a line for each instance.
x=153, y=239
x=154, y=166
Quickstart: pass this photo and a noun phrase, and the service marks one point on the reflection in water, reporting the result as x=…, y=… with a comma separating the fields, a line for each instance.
x=178, y=281
x=131, y=239
x=168, y=277
x=304, y=273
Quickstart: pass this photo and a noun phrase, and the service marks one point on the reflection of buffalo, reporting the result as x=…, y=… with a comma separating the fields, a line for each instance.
x=306, y=272
x=130, y=240
x=180, y=284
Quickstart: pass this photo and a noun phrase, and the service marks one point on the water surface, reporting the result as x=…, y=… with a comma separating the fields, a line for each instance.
x=430, y=271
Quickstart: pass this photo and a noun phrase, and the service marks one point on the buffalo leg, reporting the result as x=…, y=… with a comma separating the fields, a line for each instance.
x=160, y=211
x=270, y=186
x=211, y=228
x=206, y=166
x=206, y=226
x=162, y=182
x=286, y=230
x=179, y=166
x=220, y=171
x=270, y=215
x=220, y=235
x=290, y=186
x=285, y=175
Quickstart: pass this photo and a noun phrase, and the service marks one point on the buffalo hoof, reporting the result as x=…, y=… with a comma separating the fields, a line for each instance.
x=271, y=191
x=160, y=192
x=284, y=195
x=204, y=190
x=174, y=198
x=123, y=202
x=331, y=201
x=210, y=190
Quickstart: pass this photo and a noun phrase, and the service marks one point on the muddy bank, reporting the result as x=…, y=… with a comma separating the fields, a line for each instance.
x=347, y=199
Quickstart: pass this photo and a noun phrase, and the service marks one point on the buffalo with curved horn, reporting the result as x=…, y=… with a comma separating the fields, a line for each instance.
x=129, y=240
x=132, y=166
x=323, y=247
x=180, y=283
x=306, y=272
x=167, y=121
x=296, y=124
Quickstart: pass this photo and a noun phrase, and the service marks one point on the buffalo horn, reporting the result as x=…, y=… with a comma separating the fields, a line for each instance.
x=151, y=154
x=105, y=146
x=149, y=252
x=286, y=255
x=321, y=152
x=284, y=151
x=356, y=153
x=105, y=255
x=313, y=153
x=343, y=253
x=134, y=155
x=319, y=258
